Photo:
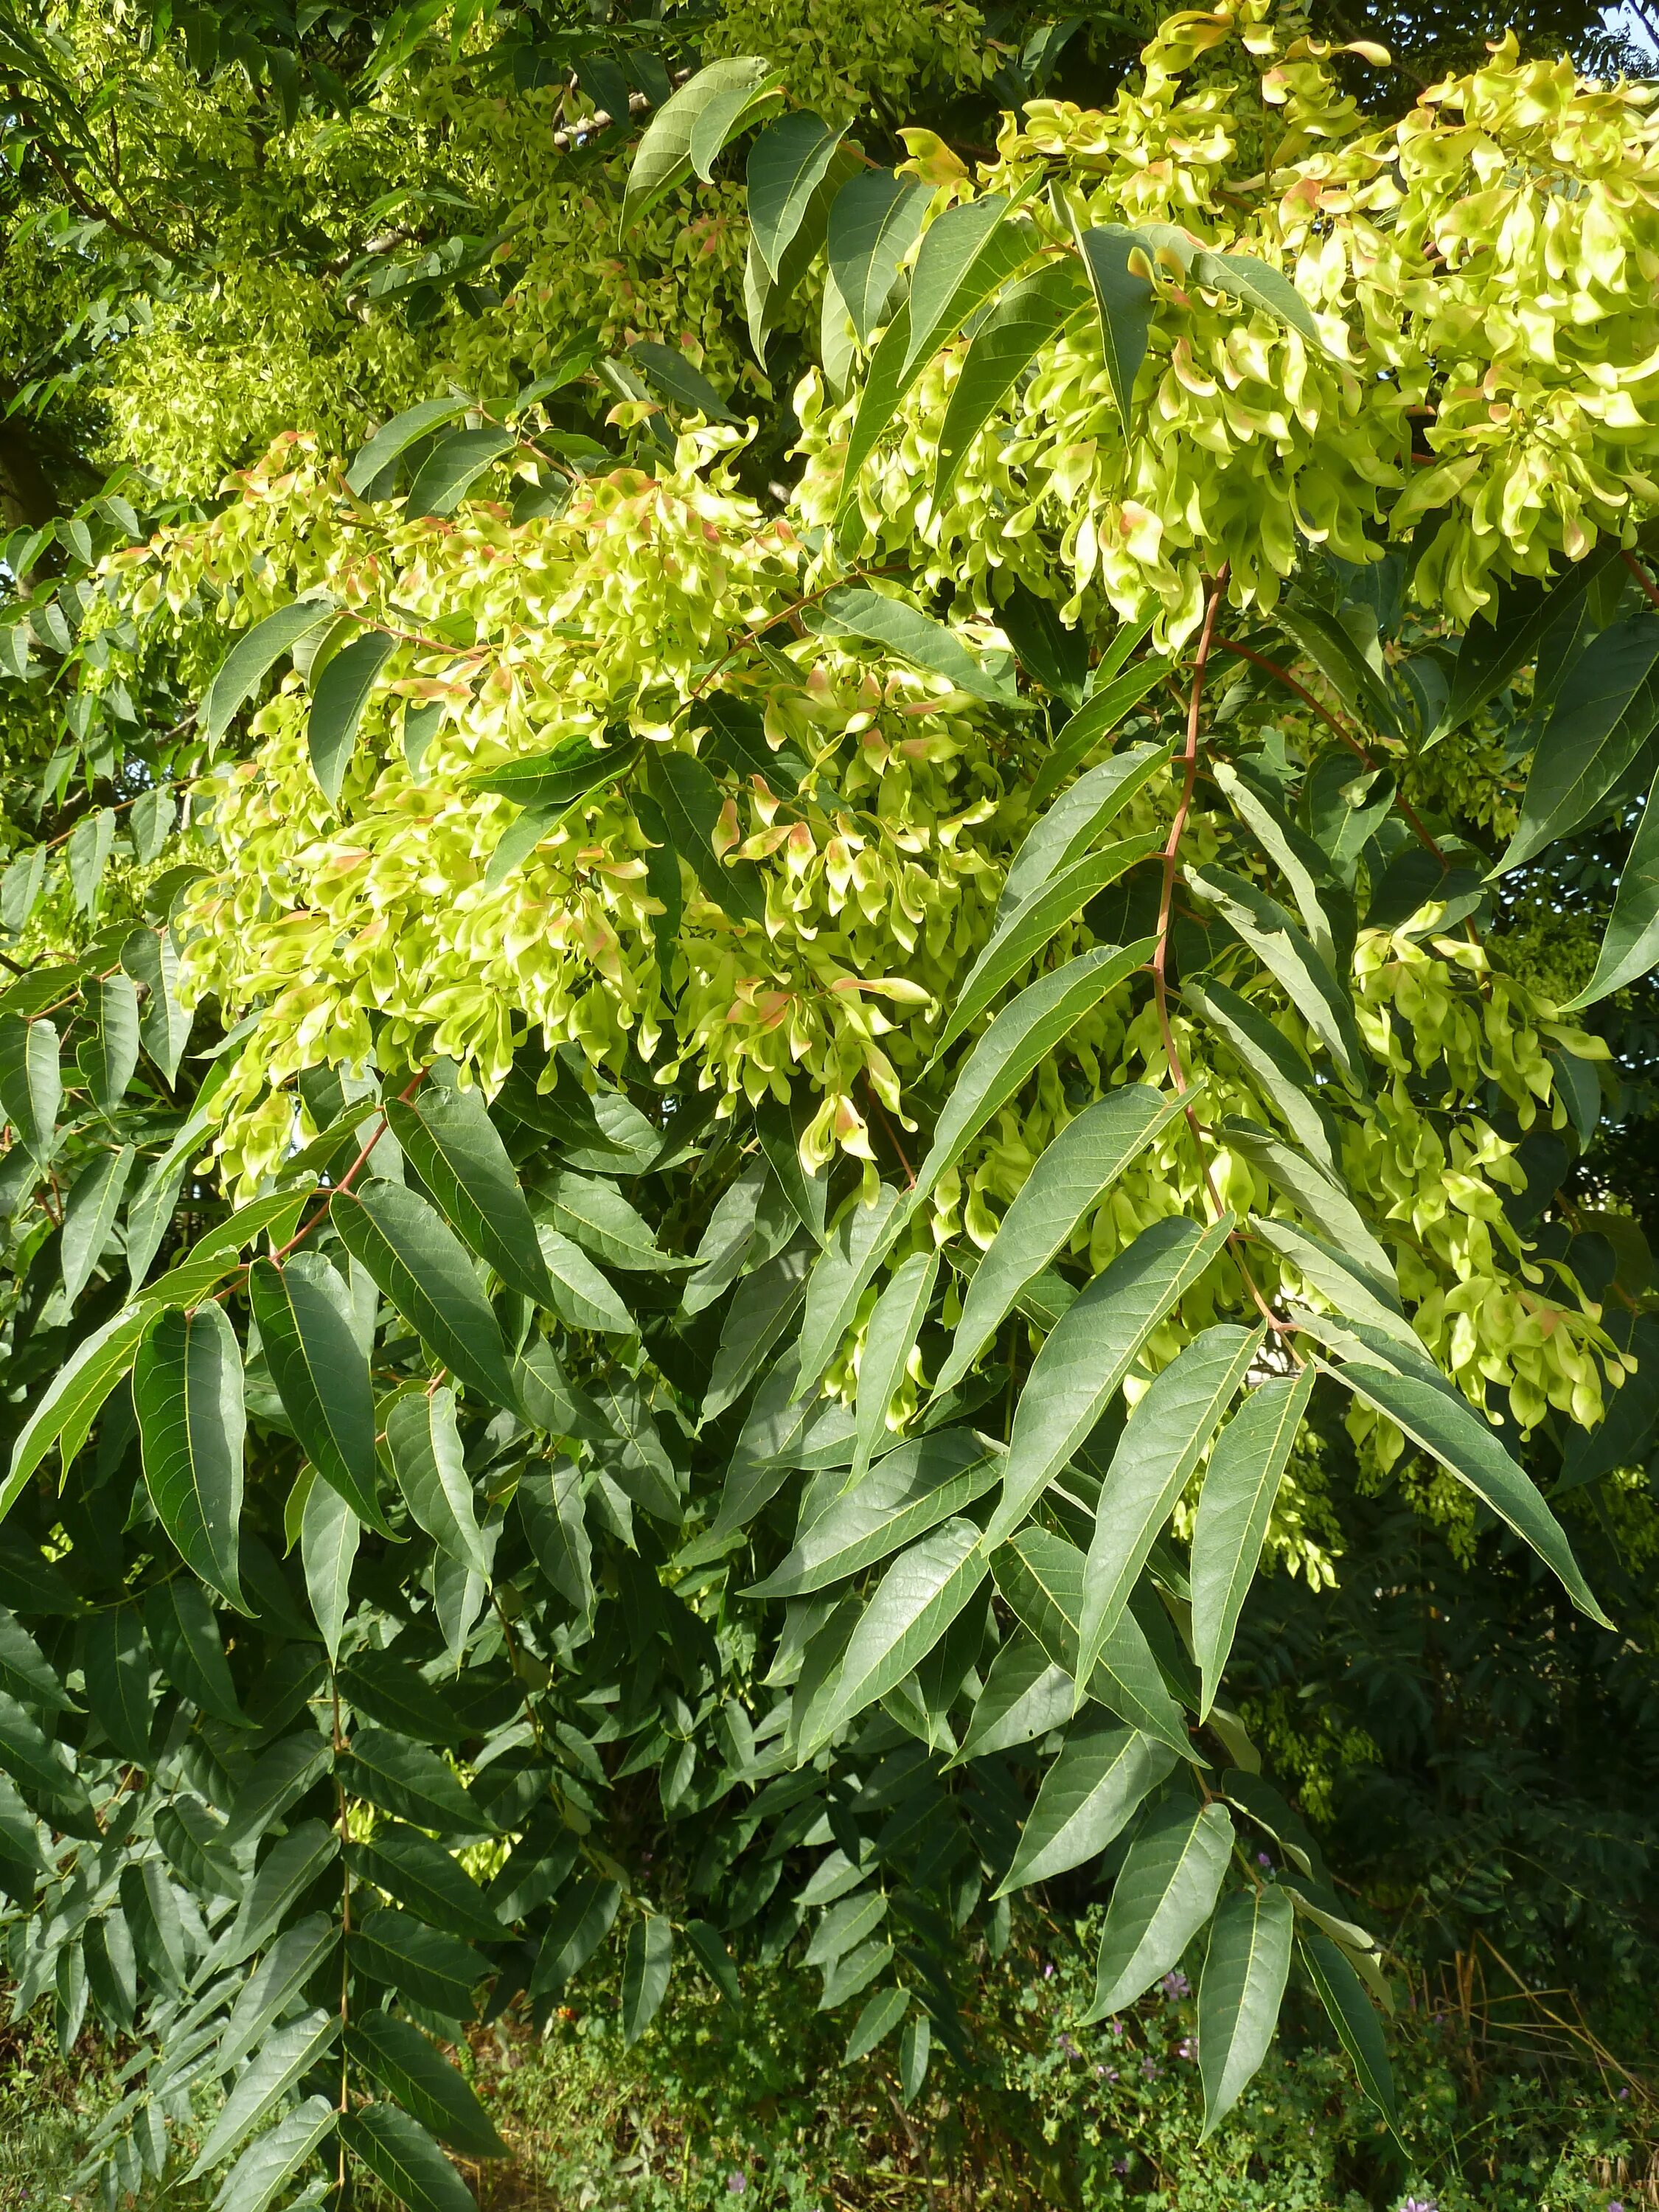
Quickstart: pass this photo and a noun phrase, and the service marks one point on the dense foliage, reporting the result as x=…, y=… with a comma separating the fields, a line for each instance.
x=761, y=1019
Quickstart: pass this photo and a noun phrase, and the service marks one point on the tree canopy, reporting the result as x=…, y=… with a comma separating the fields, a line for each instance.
x=827, y=863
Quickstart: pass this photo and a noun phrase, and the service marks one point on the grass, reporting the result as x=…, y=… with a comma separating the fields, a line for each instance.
x=754, y=2110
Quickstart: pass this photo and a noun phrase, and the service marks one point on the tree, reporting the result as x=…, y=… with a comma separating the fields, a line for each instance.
x=726, y=1075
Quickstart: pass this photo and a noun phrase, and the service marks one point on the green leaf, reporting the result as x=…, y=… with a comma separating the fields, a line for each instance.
x=337, y=707
x=70, y=1404
x=30, y=1085
x=646, y=1969
x=287, y=1870
x=1042, y=1576
x=787, y=164
x=411, y=1781
x=1024, y=1033
x=390, y=1688
x=845, y=1926
x=89, y=1216
x=1238, y=1993
x=1448, y=1428
x=253, y=656
x=269, y=2162
x=115, y=1661
x=1075, y=820
x=425, y=1444
x=716, y=1961
x=151, y=959
x=291, y=1962
x=672, y=374
x=1293, y=964
x=916, y=637
x=1112, y=699
x=762, y=1306
x=417, y=1261
x=398, y=2151
x=1089, y=1794
x=582, y=1297
x=724, y=92
x=1161, y=1444
x=1354, y=2018
x=1165, y=1891
x=282, y=2060
x=1342, y=1276
x=917, y=1599
x=1321, y=639
x=1630, y=947
x=416, y=1872
x=90, y=844
x=433, y=1969
x=840, y=1274
x=1025, y=1695
x=1273, y=1060
x=1024, y=932
x=1605, y=714
x=1070, y=1178
x=875, y=221
x=303, y=1310
x=552, y=1510
x=397, y=435
x=1125, y=299
x=690, y=800
x=109, y=1056
x=25, y=1672
x=275, y=2157
x=889, y=1338
x=912, y=1489
x=733, y=106
x=914, y=2046
x=1303, y=864
x=1086, y=1355
x=330, y=1533
x=187, y=1387
x=965, y=255
x=184, y=1634
x=885, y=383
x=452, y=468
x=281, y=1776
x=1234, y=1507
x=551, y=784
x=1324, y=1198
x=581, y=1923
x=1493, y=650
x=395, y=2054
x=1016, y=330
x=876, y=2023
x=39, y=1769
x=591, y=1210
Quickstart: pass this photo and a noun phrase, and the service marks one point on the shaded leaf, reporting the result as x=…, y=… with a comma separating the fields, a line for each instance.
x=425, y=1444
x=1089, y=1350
x=253, y=656
x=1071, y=1174
x=1238, y=1993
x=1164, y=1891
x=645, y=1974
x=1234, y=1508
x=187, y=1388
x=413, y=1256
x=1161, y=1444
x=1099, y=1777
x=920, y=1483
x=398, y=2151
x=876, y=219
x=320, y=1369
x=395, y=2054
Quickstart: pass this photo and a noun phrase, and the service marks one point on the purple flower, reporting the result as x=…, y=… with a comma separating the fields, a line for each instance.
x=1047, y=1973
x=1175, y=1984
x=1184, y=2048
x=1066, y=2045
x=1419, y=2204
x=1117, y=2026
x=736, y=2183
x=1261, y=1859
x=1149, y=2069
x=1120, y=2165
